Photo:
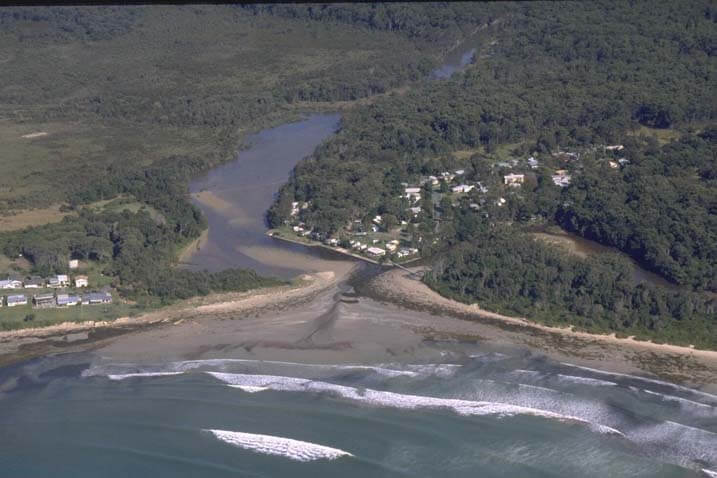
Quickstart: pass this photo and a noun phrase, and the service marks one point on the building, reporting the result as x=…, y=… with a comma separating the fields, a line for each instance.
x=460, y=172
x=44, y=300
x=613, y=164
x=97, y=298
x=15, y=300
x=63, y=279
x=54, y=283
x=533, y=163
x=500, y=201
x=64, y=300
x=514, y=179
x=35, y=282
x=615, y=147
x=73, y=264
x=376, y=251
x=561, y=180
x=463, y=188
x=10, y=284
x=81, y=281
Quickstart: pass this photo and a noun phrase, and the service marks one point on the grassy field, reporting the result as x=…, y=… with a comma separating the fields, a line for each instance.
x=13, y=318
x=176, y=81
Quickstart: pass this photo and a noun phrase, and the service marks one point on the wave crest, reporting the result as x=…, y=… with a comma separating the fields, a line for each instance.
x=272, y=445
x=397, y=400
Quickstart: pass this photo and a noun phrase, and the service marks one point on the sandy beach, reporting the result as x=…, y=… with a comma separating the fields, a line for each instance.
x=70, y=336
x=620, y=354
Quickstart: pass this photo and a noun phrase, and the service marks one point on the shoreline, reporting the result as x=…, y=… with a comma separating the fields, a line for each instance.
x=25, y=344
x=412, y=289
x=680, y=363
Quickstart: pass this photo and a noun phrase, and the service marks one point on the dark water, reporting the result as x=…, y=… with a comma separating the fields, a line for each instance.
x=246, y=188
x=65, y=418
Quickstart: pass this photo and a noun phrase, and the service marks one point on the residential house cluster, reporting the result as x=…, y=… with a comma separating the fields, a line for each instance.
x=57, y=299
x=35, y=282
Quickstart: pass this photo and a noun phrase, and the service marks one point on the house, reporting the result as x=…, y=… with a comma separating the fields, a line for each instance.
x=377, y=219
x=10, y=284
x=623, y=161
x=533, y=163
x=14, y=300
x=413, y=194
x=474, y=206
x=403, y=253
x=392, y=245
x=616, y=147
x=294, y=208
x=460, y=172
x=613, y=164
x=63, y=279
x=73, y=264
x=44, y=300
x=514, y=179
x=54, y=283
x=415, y=210
x=97, y=298
x=64, y=300
x=81, y=281
x=433, y=180
x=462, y=188
x=376, y=251
x=561, y=180
x=34, y=282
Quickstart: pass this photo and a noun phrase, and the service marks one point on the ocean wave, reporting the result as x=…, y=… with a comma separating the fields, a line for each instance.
x=398, y=400
x=585, y=380
x=644, y=379
x=279, y=446
x=122, y=376
x=709, y=473
x=388, y=372
x=683, y=401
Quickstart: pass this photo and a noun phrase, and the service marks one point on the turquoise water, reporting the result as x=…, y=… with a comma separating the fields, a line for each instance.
x=481, y=413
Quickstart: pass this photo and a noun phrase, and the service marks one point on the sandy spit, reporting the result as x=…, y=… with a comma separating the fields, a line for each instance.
x=402, y=285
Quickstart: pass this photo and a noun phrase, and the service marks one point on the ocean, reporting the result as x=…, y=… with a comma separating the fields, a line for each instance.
x=478, y=412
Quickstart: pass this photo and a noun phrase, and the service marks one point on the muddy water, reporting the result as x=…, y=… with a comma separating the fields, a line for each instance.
x=235, y=197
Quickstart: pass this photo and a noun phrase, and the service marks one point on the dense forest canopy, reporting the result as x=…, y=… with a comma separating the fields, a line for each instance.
x=553, y=75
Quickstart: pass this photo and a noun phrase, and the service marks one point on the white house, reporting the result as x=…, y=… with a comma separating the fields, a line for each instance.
x=615, y=147
x=462, y=188
x=10, y=284
x=73, y=264
x=376, y=251
x=533, y=163
x=514, y=179
x=13, y=300
x=63, y=279
x=460, y=172
x=81, y=281
x=561, y=180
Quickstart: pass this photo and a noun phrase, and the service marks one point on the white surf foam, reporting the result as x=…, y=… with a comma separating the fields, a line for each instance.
x=388, y=372
x=251, y=389
x=648, y=380
x=585, y=380
x=397, y=400
x=273, y=445
x=123, y=376
x=709, y=473
x=683, y=401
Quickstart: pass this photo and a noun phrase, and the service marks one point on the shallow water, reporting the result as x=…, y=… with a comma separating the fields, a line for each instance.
x=235, y=196
x=481, y=411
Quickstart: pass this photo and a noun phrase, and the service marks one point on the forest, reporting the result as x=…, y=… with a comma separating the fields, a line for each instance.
x=135, y=249
x=515, y=274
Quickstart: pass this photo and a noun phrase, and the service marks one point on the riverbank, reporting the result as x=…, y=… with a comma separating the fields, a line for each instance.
x=19, y=345
x=678, y=363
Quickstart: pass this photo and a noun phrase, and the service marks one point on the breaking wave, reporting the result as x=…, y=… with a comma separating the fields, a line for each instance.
x=272, y=445
x=585, y=380
x=397, y=400
x=680, y=400
x=709, y=473
x=122, y=376
x=644, y=379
